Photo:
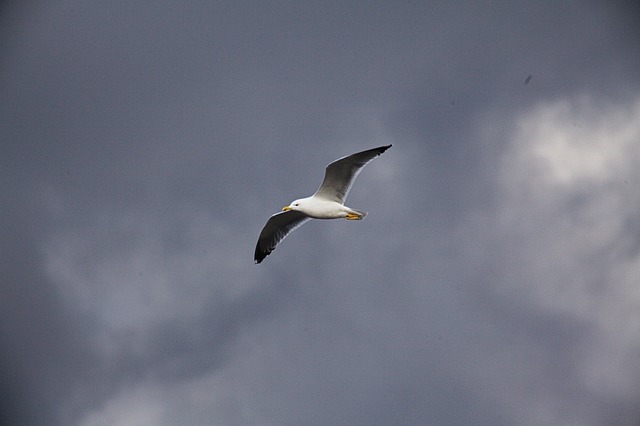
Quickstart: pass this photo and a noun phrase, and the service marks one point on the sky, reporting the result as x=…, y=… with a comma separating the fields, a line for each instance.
x=495, y=281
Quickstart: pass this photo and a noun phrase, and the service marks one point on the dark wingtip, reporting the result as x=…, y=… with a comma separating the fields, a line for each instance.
x=379, y=150
x=260, y=255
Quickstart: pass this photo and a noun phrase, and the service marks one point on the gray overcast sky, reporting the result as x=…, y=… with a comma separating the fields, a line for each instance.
x=494, y=282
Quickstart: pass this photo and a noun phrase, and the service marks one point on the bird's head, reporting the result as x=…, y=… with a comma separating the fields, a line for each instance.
x=295, y=205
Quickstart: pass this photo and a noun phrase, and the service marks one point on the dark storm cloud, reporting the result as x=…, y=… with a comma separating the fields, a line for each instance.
x=41, y=343
x=144, y=145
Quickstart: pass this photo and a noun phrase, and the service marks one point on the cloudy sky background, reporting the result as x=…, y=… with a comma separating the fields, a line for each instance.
x=496, y=280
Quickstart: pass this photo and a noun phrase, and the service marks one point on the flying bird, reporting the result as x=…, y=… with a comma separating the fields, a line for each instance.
x=326, y=203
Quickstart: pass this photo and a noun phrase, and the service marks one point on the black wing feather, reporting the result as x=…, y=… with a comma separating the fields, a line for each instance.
x=277, y=227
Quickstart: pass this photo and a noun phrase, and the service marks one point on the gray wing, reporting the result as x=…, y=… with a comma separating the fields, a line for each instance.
x=277, y=227
x=340, y=174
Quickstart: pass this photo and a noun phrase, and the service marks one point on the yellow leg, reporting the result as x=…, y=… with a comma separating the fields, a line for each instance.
x=352, y=216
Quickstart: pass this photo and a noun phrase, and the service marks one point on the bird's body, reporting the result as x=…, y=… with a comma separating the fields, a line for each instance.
x=321, y=208
x=326, y=203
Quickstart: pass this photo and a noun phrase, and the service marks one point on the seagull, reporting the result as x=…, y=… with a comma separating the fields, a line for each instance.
x=326, y=203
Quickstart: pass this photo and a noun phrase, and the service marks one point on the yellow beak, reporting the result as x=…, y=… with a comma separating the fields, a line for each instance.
x=286, y=208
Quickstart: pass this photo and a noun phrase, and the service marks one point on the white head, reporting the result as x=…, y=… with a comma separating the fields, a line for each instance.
x=295, y=205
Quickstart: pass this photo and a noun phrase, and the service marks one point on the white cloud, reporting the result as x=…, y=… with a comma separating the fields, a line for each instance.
x=140, y=406
x=580, y=141
x=211, y=398
x=570, y=192
x=130, y=271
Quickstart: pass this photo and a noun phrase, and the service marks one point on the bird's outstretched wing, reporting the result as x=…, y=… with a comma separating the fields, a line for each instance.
x=340, y=174
x=277, y=227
